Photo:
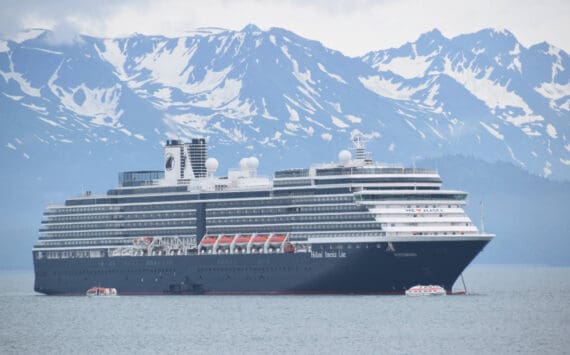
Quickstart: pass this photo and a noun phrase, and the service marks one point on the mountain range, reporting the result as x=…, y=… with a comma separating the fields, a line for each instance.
x=273, y=92
x=72, y=115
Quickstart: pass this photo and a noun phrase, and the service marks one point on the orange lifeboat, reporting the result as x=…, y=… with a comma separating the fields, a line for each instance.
x=208, y=240
x=243, y=239
x=259, y=239
x=226, y=240
x=277, y=239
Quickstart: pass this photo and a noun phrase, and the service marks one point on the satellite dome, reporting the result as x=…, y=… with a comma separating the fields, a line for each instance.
x=344, y=156
x=252, y=163
x=212, y=165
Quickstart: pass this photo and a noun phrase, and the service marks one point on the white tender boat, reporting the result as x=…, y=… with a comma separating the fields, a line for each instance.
x=101, y=291
x=426, y=290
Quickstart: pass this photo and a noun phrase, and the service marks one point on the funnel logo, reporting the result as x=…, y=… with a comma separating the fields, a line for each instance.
x=169, y=162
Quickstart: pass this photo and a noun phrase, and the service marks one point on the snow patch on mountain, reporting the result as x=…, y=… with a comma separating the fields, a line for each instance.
x=406, y=67
x=115, y=56
x=353, y=119
x=226, y=92
x=387, y=87
x=170, y=67
x=547, y=169
x=515, y=65
x=481, y=86
x=338, y=122
x=492, y=131
x=553, y=92
x=39, y=109
x=25, y=86
x=26, y=35
x=265, y=114
x=551, y=131
x=49, y=122
x=100, y=104
x=334, y=76
x=293, y=115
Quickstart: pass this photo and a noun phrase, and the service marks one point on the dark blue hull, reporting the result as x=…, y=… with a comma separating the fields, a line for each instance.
x=357, y=268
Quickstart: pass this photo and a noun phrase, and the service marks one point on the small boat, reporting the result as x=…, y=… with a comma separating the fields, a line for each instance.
x=243, y=239
x=226, y=240
x=208, y=240
x=259, y=239
x=423, y=290
x=276, y=239
x=101, y=291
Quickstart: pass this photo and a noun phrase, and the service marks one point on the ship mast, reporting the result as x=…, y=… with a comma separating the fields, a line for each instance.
x=360, y=149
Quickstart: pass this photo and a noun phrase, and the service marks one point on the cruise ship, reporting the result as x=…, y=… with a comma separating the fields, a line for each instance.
x=354, y=226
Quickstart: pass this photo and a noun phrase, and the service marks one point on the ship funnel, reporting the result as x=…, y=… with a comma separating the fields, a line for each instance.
x=184, y=161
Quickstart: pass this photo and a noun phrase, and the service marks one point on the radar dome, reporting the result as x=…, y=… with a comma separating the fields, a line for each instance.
x=212, y=165
x=344, y=156
x=243, y=163
x=252, y=163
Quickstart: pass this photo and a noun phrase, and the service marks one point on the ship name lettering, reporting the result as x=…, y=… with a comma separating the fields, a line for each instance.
x=330, y=255
x=424, y=210
x=316, y=254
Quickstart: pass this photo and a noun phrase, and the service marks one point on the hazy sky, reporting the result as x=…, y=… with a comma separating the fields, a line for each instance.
x=353, y=27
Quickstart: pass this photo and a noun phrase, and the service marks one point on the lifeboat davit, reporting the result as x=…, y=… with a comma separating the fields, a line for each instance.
x=259, y=239
x=276, y=239
x=242, y=240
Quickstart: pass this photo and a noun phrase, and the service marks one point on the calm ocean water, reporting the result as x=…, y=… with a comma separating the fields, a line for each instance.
x=509, y=309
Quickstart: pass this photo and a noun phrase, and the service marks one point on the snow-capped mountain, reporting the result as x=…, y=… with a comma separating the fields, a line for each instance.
x=492, y=90
x=274, y=94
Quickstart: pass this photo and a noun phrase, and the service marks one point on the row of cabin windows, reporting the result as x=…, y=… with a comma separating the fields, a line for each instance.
x=429, y=233
x=391, y=205
x=122, y=216
x=281, y=202
x=291, y=227
x=295, y=218
x=340, y=235
x=419, y=215
x=142, y=224
x=179, y=206
x=77, y=242
x=113, y=271
x=286, y=210
x=121, y=208
x=125, y=233
x=414, y=224
x=426, y=196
